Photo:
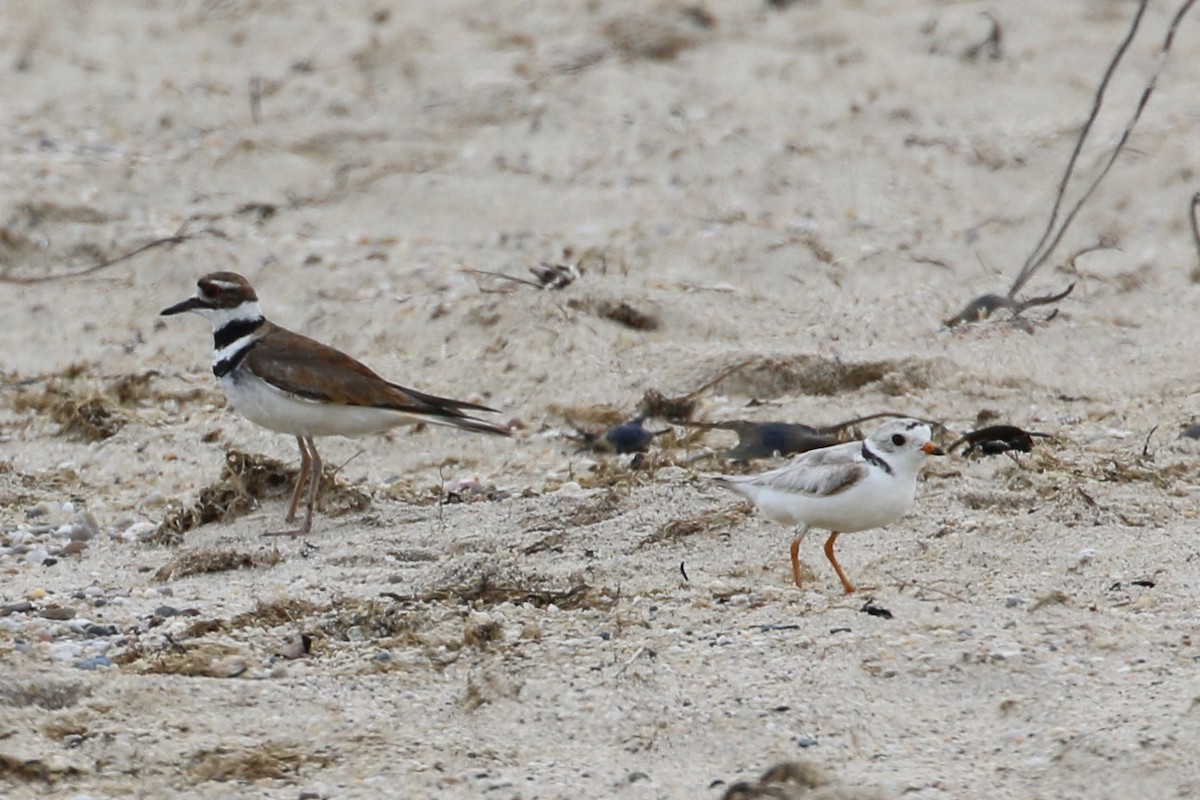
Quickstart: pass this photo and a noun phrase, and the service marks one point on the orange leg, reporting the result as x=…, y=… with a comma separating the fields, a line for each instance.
x=846, y=584
x=796, y=556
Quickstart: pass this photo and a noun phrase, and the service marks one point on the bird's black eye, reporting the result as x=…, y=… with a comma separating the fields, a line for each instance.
x=897, y=439
x=211, y=290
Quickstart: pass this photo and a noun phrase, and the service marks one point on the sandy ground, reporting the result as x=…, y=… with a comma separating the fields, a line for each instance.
x=808, y=191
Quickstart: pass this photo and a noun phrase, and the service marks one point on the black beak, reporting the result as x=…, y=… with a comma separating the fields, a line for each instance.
x=191, y=304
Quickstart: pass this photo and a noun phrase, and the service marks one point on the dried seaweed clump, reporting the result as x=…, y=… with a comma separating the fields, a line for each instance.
x=486, y=589
x=271, y=759
x=767, y=378
x=198, y=562
x=721, y=519
x=84, y=416
x=247, y=478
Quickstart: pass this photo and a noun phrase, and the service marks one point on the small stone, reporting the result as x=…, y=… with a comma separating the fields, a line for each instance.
x=57, y=613
x=84, y=527
x=74, y=548
x=40, y=510
x=93, y=662
x=123, y=523
x=154, y=500
x=64, y=651
x=36, y=594
x=1012, y=602
x=38, y=555
x=805, y=742
x=100, y=630
x=166, y=611
x=93, y=591
x=166, y=591
x=384, y=656
x=19, y=607
x=356, y=633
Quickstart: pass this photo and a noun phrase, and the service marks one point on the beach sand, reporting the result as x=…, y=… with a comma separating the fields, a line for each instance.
x=792, y=198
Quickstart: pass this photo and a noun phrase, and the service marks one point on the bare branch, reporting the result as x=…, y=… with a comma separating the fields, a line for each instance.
x=1040, y=251
x=167, y=241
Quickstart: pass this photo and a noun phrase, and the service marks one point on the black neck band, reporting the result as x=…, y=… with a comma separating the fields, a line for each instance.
x=872, y=458
x=233, y=330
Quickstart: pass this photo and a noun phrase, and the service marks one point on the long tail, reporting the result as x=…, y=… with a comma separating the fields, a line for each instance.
x=446, y=411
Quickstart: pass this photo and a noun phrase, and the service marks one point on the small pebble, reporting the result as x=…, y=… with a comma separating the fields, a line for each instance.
x=84, y=527
x=1012, y=602
x=154, y=499
x=38, y=555
x=36, y=594
x=100, y=630
x=64, y=651
x=166, y=611
x=93, y=662
x=57, y=612
x=805, y=742
x=74, y=548
x=19, y=607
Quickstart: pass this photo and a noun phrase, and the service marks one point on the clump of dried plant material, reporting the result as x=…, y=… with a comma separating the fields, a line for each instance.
x=45, y=693
x=591, y=510
x=81, y=414
x=35, y=769
x=84, y=409
x=246, y=479
x=766, y=377
x=273, y=613
x=794, y=780
x=267, y=760
x=488, y=589
x=715, y=521
x=625, y=314
x=192, y=660
x=215, y=560
x=659, y=33
x=656, y=404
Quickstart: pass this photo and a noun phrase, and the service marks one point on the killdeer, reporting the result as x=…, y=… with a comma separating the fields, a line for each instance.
x=292, y=384
x=845, y=488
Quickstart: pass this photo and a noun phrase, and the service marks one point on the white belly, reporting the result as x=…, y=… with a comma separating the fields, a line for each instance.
x=879, y=501
x=276, y=410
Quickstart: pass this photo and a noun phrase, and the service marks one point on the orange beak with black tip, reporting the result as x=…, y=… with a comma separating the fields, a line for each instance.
x=931, y=449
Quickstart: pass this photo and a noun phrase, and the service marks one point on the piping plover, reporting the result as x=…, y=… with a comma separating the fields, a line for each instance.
x=844, y=488
x=293, y=384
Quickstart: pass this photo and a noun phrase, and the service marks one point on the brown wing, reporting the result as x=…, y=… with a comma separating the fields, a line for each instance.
x=305, y=367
